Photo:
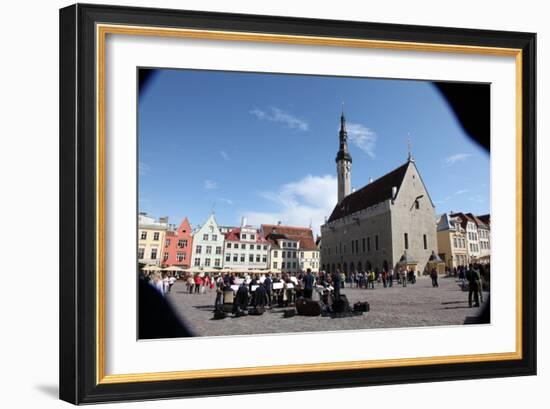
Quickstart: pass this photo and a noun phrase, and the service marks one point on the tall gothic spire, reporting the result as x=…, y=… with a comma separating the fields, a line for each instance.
x=343, y=161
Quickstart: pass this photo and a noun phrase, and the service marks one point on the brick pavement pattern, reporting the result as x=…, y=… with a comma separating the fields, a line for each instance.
x=416, y=305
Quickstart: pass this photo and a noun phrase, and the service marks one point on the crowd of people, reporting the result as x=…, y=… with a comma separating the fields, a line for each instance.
x=282, y=289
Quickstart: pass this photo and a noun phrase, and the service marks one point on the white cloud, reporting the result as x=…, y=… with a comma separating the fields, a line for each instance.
x=143, y=169
x=477, y=198
x=226, y=201
x=210, y=184
x=461, y=191
x=224, y=155
x=362, y=137
x=459, y=157
x=278, y=115
x=299, y=203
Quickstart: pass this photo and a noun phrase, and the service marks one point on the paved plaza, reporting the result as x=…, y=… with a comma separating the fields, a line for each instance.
x=413, y=306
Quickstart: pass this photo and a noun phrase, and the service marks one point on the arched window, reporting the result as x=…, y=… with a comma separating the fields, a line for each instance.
x=345, y=267
x=359, y=266
x=352, y=267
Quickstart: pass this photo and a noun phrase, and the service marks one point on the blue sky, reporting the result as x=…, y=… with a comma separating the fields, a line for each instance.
x=263, y=145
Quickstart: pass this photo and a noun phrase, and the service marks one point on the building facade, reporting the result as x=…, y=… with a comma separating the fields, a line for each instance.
x=373, y=227
x=451, y=241
x=246, y=249
x=208, y=242
x=178, y=246
x=293, y=248
x=151, y=236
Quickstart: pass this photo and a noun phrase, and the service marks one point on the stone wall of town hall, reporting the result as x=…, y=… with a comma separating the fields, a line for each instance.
x=356, y=236
x=414, y=220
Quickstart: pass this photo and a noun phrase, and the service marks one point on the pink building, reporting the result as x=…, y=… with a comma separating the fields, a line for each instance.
x=178, y=245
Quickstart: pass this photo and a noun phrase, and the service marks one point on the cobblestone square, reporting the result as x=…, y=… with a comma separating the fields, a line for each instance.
x=416, y=305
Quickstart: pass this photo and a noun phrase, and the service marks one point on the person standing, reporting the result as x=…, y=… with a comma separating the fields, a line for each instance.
x=336, y=278
x=390, y=277
x=268, y=284
x=473, y=278
x=308, y=284
x=433, y=275
x=403, y=275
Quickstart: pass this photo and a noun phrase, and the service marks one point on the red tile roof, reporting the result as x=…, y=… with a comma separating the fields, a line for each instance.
x=235, y=235
x=303, y=235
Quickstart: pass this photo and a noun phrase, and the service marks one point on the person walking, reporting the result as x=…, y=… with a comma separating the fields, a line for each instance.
x=336, y=278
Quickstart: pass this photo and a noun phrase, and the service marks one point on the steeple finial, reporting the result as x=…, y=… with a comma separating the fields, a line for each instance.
x=409, y=147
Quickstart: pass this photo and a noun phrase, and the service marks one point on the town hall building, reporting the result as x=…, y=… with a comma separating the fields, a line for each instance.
x=388, y=223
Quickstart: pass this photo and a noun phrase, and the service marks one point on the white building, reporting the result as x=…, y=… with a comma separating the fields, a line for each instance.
x=208, y=242
x=246, y=249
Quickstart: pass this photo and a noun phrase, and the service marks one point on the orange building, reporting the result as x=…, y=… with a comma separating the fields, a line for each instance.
x=178, y=245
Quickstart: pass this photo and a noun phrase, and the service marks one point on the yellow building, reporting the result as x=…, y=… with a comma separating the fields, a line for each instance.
x=293, y=249
x=451, y=241
x=151, y=236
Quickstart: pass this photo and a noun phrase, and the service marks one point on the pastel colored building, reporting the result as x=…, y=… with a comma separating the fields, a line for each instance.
x=293, y=249
x=178, y=246
x=208, y=242
x=246, y=249
x=151, y=235
x=451, y=241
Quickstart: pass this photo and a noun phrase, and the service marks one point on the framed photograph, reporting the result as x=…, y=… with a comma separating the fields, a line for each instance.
x=257, y=204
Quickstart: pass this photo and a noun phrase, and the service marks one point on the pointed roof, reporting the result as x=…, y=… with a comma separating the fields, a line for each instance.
x=406, y=259
x=375, y=192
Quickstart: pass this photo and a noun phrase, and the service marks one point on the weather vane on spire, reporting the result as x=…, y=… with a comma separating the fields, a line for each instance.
x=409, y=147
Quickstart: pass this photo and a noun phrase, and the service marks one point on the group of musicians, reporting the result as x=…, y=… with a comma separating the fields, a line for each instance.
x=280, y=290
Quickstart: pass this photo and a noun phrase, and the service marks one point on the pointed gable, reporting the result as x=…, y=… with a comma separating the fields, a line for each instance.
x=375, y=192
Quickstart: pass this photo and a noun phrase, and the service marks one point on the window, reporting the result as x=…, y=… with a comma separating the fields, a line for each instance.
x=165, y=256
x=218, y=249
x=406, y=241
x=167, y=243
x=264, y=259
x=205, y=237
x=252, y=247
x=293, y=264
x=363, y=244
x=156, y=235
x=265, y=246
x=251, y=258
x=182, y=243
x=242, y=258
x=302, y=254
x=376, y=242
x=368, y=243
x=227, y=257
x=228, y=245
x=235, y=258
x=258, y=247
x=180, y=256
x=425, y=242
x=198, y=249
x=252, y=237
x=257, y=258
x=243, y=246
x=455, y=242
x=153, y=254
x=416, y=204
x=275, y=253
x=283, y=255
x=208, y=249
x=197, y=262
x=243, y=236
x=217, y=262
x=295, y=245
x=143, y=235
x=293, y=254
x=274, y=264
x=283, y=265
x=207, y=262
x=214, y=237
x=141, y=253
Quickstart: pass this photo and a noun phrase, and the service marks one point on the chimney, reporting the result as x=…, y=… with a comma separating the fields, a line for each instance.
x=279, y=223
x=393, y=192
x=163, y=220
x=243, y=221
